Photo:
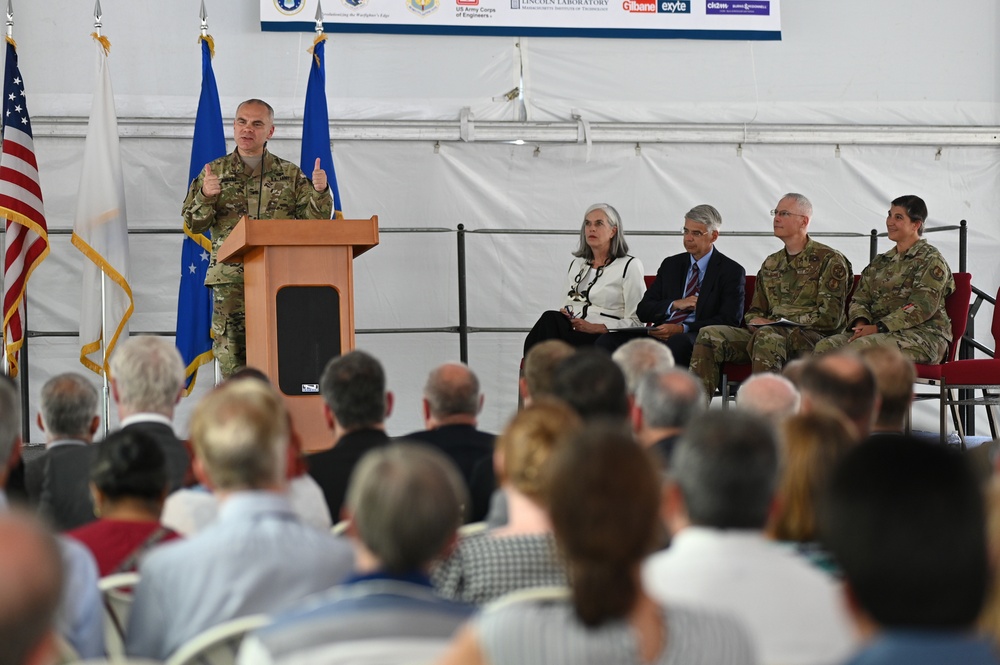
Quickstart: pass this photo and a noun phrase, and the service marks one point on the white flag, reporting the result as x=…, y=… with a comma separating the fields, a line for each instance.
x=100, y=229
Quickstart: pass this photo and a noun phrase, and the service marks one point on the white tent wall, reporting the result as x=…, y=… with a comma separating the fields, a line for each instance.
x=854, y=62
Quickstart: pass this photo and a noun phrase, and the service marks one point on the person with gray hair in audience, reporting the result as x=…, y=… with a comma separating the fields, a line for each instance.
x=639, y=358
x=257, y=557
x=79, y=617
x=841, y=380
x=147, y=382
x=451, y=405
x=698, y=287
x=769, y=395
x=404, y=506
x=355, y=405
x=723, y=477
x=665, y=404
x=58, y=481
x=31, y=577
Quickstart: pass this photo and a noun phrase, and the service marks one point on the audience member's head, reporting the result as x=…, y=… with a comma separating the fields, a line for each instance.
x=525, y=446
x=603, y=501
x=451, y=396
x=539, y=365
x=905, y=520
x=812, y=444
x=842, y=381
x=793, y=371
x=147, y=376
x=129, y=467
x=405, y=503
x=30, y=587
x=353, y=389
x=593, y=385
x=68, y=408
x=10, y=427
x=894, y=377
x=641, y=357
x=240, y=436
x=665, y=403
x=771, y=396
x=726, y=470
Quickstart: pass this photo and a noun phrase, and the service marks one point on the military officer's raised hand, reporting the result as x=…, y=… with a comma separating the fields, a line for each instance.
x=319, y=177
x=210, y=186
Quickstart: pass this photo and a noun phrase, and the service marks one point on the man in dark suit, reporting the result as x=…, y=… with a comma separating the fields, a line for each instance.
x=147, y=381
x=58, y=481
x=452, y=403
x=356, y=405
x=700, y=287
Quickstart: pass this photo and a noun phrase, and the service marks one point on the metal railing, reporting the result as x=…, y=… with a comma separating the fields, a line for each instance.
x=464, y=330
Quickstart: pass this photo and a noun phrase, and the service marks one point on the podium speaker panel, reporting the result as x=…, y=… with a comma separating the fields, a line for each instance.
x=308, y=336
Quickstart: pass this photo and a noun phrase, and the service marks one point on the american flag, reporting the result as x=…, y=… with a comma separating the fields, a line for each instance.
x=21, y=205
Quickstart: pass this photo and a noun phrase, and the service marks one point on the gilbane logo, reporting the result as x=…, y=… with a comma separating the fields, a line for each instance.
x=637, y=7
x=674, y=7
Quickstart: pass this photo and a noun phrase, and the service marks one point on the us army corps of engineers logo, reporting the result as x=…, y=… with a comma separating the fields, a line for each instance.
x=289, y=7
x=423, y=7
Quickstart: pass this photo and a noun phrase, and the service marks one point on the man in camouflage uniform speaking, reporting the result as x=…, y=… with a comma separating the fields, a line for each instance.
x=798, y=300
x=255, y=183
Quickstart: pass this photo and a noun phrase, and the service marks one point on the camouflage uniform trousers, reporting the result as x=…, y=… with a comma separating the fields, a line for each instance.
x=229, y=328
x=767, y=349
x=920, y=348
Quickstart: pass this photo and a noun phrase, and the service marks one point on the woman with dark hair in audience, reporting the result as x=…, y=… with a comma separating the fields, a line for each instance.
x=605, y=285
x=604, y=499
x=129, y=481
x=900, y=299
x=522, y=553
x=812, y=445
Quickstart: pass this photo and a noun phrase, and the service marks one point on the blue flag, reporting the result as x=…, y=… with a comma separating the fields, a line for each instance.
x=316, y=126
x=194, y=301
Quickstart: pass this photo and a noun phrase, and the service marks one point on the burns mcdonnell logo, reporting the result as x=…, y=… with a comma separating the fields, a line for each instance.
x=289, y=7
x=423, y=7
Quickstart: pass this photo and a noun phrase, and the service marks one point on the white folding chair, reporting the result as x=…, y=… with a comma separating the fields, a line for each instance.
x=217, y=645
x=116, y=594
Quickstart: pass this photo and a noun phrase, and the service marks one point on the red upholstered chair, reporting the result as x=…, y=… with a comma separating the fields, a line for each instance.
x=649, y=279
x=952, y=375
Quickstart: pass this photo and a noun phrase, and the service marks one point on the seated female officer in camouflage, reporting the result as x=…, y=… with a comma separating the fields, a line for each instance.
x=900, y=298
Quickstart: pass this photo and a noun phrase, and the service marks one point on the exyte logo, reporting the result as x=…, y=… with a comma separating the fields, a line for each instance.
x=640, y=6
x=674, y=6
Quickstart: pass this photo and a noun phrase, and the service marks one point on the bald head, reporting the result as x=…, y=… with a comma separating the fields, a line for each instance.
x=451, y=395
x=30, y=587
x=769, y=395
x=844, y=382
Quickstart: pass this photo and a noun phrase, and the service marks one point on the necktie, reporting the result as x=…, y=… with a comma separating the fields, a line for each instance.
x=690, y=289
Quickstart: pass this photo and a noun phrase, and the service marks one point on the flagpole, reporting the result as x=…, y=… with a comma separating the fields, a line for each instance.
x=203, y=15
x=3, y=332
x=105, y=386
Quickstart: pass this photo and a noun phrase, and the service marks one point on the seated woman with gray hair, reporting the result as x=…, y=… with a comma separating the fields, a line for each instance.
x=522, y=553
x=605, y=285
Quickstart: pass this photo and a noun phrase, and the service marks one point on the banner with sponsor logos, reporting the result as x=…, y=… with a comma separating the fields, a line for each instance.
x=656, y=19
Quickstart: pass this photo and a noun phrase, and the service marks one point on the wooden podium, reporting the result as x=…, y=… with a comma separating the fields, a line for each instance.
x=299, y=288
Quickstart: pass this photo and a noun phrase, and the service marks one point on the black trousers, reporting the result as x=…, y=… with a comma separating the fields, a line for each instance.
x=681, y=344
x=554, y=325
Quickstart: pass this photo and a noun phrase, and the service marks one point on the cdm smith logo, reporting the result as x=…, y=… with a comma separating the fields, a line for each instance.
x=657, y=6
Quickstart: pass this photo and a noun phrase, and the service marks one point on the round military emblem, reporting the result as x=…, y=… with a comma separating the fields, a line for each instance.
x=422, y=7
x=354, y=4
x=289, y=7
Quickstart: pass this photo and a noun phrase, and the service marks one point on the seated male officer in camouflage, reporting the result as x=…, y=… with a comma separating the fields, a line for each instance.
x=252, y=182
x=900, y=300
x=805, y=284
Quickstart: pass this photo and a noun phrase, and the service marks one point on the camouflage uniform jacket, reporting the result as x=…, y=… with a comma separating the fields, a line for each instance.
x=809, y=288
x=287, y=194
x=906, y=291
